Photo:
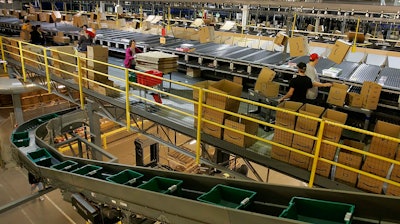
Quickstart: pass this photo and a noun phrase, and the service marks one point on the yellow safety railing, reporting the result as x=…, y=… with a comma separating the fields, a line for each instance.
x=19, y=53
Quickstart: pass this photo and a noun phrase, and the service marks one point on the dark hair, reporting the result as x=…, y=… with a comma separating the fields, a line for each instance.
x=302, y=66
x=34, y=28
x=38, y=26
x=85, y=26
x=132, y=41
x=27, y=21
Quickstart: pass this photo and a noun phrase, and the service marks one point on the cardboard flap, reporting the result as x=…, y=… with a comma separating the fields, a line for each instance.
x=339, y=51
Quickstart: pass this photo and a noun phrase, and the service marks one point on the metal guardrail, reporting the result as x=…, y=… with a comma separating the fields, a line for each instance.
x=8, y=50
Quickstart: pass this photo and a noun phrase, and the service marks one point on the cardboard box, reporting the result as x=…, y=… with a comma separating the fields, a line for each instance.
x=392, y=190
x=382, y=146
x=327, y=151
x=302, y=143
x=206, y=34
x=298, y=46
x=61, y=39
x=281, y=39
x=280, y=154
x=264, y=84
x=56, y=16
x=284, y=119
x=370, y=93
x=25, y=35
x=214, y=116
x=323, y=169
x=238, y=80
x=97, y=77
x=354, y=99
x=299, y=160
x=339, y=51
x=333, y=132
x=97, y=51
x=306, y=125
x=204, y=85
x=369, y=184
x=376, y=166
x=284, y=138
x=193, y=72
x=225, y=87
x=350, y=159
x=337, y=94
x=69, y=50
x=243, y=125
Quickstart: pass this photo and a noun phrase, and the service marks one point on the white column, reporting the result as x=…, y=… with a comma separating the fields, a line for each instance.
x=102, y=7
x=245, y=15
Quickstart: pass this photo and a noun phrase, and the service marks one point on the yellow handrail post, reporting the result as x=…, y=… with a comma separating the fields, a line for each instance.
x=294, y=24
x=46, y=67
x=198, y=133
x=141, y=16
x=316, y=154
x=169, y=19
x=78, y=62
x=128, y=114
x=104, y=142
x=2, y=54
x=353, y=49
x=22, y=60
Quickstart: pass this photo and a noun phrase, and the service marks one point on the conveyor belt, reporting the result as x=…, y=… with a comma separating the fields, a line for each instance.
x=273, y=60
x=323, y=63
x=365, y=72
x=240, y=54
x=259, y=55
x=390, y=77
x=182, y=207
x=347, y=69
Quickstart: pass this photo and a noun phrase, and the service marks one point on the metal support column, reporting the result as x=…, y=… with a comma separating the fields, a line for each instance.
x=19, y=116
x=94, y=124
x=245, y=16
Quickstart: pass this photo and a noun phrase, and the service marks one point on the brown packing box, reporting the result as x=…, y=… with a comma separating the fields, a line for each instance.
x=333, y=132
x=337, y=94
x=214, y=116
x=382, y=146
x=97, y=77
x=106, y=91
x=392, y=190
x=206, y=34
x=376, y=166
x=242, y=125
x=61, y=39
x=238, y=80
x=370, y=93
x=306, y=125
x=225, y=87
x=299, y=160
x=298, y=46
x=32, y=17
x=193, y=72
x=203, y=84
x=56, y=16
x=285, y=119
x=302, y=143
x=339, y=51
x=323, y=168
x=370, y=184
x=351, y=159
x=354, y=99
x=97, y=51
x=284, y=138
x=395, y=174
x=98, y=66
x=281, y=39
x=25, y=35
x=64, y=58
x=264, y=84
x=327, y=151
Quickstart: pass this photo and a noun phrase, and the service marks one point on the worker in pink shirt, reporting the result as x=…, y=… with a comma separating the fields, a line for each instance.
x=130, y=55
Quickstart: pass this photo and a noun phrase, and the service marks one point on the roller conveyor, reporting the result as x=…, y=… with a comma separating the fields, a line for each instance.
x=240, y=54
x=390, y=77
x=272, y=60
x=259, y=55
x=347, y=69
x=365, y=72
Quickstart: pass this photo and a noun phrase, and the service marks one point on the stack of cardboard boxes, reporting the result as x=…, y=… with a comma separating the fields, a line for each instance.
x=61, y=39
x=243, y=125
x=306, y=126
x=382, y=147
x=350, y=159
x=337, y=94
x=222, y=102
x=331, y=133
x=288, y=121
x=64, y=55
x=264, y=84
x=370, y=93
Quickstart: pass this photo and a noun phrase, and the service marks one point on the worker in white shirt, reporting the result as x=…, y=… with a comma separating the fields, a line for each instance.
x=311, y=72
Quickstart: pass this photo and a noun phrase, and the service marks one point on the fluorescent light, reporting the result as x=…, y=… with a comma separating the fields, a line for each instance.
x=193, y=142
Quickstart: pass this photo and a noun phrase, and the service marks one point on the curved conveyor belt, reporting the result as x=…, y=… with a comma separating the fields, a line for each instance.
x=94, y=183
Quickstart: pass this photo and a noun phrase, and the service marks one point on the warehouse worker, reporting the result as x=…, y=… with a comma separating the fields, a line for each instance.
x=299, y=85
x=84, y=41
x=35, y=182
x=311, y=72
x=130, y=55
x=89, y=32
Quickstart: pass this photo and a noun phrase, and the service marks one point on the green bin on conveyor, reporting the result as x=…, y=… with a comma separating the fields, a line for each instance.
x=318, y=211
x=87, y=170
x=20, y=138
x=227, y=196
x=67, y=165
x=41, y=157
x=126, y=177
x=47, y=117
x=132, y=77
x=162, y=185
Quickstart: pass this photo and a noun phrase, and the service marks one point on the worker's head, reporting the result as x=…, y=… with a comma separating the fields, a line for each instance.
x=314, y=57
x=132, y=43
x=38, y=27
x=301, y=67
x=27, y=21
x=84, y=27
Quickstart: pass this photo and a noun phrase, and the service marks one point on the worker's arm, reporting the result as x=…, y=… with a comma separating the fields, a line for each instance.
x=318, y=84
x=288, y=95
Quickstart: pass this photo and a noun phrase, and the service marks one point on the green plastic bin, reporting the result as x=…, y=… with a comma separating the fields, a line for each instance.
x=162, y=185
x=87, y=170
x=47, y=162
x=227, y=196
x=20, y=139
x=318, y=211
x=39, y=155
x=126, y=177
x=132, y=77
x=47, y=117
x=67, y=165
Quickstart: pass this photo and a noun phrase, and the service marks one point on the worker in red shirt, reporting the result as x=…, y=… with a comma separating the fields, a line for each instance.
x=90, y=33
